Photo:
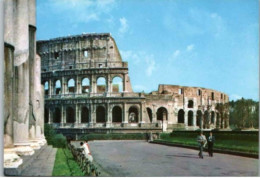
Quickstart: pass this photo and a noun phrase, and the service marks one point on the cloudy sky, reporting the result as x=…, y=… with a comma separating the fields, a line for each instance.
x=206, y=43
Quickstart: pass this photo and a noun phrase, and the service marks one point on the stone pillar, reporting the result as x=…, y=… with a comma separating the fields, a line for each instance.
x=63, y=85
x=164, y=124
x=79, y=85
x=186, y=118
x=124, y=83
x=62, y=115
x=93, y=84
x=80, y=110
x=109, y=88
x=125, y=114
x=154, y=114
x=194, y=119
x=76, y=115
x=108, y=115
x=50, y=87
x=93, y=115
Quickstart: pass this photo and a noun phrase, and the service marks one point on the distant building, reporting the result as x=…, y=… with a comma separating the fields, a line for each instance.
x=88, y=89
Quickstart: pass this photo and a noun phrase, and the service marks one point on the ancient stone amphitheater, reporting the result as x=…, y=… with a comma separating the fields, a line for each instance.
x=88, y=89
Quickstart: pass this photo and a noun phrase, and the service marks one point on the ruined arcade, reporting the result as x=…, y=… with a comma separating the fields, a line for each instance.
x=88, y=89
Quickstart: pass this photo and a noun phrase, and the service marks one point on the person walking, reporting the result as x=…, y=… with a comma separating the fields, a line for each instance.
x=202, y=141
x=211, y=141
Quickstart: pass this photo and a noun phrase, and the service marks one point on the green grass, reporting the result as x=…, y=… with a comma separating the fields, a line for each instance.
x=247, y=143
x=65, y=165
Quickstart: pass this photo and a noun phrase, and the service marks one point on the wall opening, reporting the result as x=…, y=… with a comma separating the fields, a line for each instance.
x=46, y=88
x=199, y=119
x=212, y=117
x=190, y=118
x=46, y=115
x=181, y=116
x=180, y=91
x=212, y=96
x=71, y=86
x=117, y=114
x=150, y=114
x=161, y=113
x=70, y=115
x=206, y=120
x=190, y=104
x=57, y=87
x=101, y=114
x=101, y=85
x=85, y=85
x=198, y=92
x=84, y=115
x=57, y=116
x=133, y=114
x=117, y=85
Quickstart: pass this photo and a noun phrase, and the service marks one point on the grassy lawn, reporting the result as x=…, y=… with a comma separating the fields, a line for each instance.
x=235, y=142
x=65, y=165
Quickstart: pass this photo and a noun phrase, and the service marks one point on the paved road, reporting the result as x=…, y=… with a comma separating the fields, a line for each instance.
x=139, y=158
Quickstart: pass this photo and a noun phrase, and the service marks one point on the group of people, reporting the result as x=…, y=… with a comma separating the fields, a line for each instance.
x=203, y=141
x=86, y=151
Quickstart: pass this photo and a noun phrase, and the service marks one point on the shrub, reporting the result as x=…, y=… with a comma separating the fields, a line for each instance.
x=57, y=140
x=114, y=136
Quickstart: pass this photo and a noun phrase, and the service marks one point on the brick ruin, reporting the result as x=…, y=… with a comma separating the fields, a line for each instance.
x=88, y=89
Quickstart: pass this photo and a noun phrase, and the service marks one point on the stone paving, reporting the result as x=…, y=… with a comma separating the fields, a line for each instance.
x=139, y=158
x=42, y=164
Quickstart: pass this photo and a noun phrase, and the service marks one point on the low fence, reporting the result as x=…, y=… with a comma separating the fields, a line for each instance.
x=87, y=167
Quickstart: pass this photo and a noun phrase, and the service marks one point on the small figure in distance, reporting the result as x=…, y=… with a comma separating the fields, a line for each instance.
x=202, y=141
x=211, y=141
x=87, y=151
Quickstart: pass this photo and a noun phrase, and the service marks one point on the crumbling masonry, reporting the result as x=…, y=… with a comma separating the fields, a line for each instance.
x=88, y=89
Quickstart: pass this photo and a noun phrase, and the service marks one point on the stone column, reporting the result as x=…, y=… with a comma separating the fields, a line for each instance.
x=50, y=116
x=76, y=115
x=63, y=85
x=109, y=88
x=50, y=87
x=62, y=115
x=186, y=118
x=108, y=115
x=93, y=86
x=79, y=85
x=93, y=115
x=194, y=118
x=80, y=110
x=124, y=83
x=154, y=114
x=125, y=114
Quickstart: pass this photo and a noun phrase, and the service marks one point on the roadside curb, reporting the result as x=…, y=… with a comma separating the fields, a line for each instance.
x=215, y=150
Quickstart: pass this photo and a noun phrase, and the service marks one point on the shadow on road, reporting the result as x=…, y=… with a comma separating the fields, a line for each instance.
x=184, y=156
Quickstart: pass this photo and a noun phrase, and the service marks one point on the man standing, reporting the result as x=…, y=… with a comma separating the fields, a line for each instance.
x=201, y=139
x=211, y=141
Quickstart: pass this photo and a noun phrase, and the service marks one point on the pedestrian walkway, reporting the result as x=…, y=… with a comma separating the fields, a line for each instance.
x=43, y=164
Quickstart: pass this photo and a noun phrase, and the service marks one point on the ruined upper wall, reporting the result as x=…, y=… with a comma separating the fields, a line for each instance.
x=80, y=51
x=193, y=92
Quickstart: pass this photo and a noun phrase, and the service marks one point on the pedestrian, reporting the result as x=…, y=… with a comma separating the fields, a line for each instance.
x=87, y=151
x=211, y=141
x=202, y=141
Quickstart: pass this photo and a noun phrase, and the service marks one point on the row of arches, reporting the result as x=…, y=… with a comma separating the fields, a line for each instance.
x=117, y=85
x=117, y=115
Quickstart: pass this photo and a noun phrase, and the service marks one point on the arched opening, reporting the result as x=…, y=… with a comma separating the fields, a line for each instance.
x=199, y=119
x=217, y=121
x=70, y=115
x=150, y=114
x=84, y=115
x=85, y=85
x=212, y=120
x=71, y=85
x=190, y=104
x=101, y=85
x=181, y=116
x=57, y=115
x=46, y=115
x=133, y=114
x=206, y=120
x=57, y=87
x=190, y=118
x=162, y=114
x=117, y=85
x=101, y=114
x=117, y=114
x=46, y=88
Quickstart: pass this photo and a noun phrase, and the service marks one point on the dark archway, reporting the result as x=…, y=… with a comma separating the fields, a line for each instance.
x=190, y=104
x=150, y=114
x=46, y=115
x=57, y=115
x=101, y=85
x=190, y=118
x=206, y=120
x=181, y=116
x=84, y=115
x=101, y=114
x=217, y=121
x=133, y=114
x=212, y=120
x=117, y=114
x=70, y=115
x=162, y=112
x=199, y=118
x=71, y=85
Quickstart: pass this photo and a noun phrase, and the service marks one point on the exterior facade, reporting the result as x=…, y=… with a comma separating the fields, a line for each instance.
x=23, y=92
x=87, y=88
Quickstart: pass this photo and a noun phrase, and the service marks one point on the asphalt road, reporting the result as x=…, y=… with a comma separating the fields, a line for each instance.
x=142, y=159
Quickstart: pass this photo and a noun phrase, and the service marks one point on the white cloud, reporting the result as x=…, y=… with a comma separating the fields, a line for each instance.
x=234, y=97
x=123, y=25
x=190, y=47
x=150, y=65
x=176, y=53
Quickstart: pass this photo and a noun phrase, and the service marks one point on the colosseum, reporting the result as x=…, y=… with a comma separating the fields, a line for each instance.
x=88, y=89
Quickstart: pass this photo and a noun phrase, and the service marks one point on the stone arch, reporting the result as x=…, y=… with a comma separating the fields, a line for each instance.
x=190, y=104
x=206, y=120
x=190, y=118
x=70, y=115
x=181, y=116
x=117, y=84
x=57, y=115
x=100, y=114
x=46, y=114
x=71, y=85
x=212, y=120
x=199, y=118
x=117, y=114
x=101, y=85
x=85, y=85
x=133, y=114
x=46, y=87
x=160, y=113
x=84, y=115
x=150, y=114
x=57, y=87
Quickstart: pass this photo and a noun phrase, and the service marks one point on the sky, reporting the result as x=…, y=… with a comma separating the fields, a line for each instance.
x=204, y=43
